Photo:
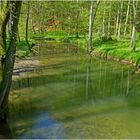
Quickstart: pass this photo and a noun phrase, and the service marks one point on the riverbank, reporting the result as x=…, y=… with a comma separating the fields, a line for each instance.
x=19, y=63
x=112, y=49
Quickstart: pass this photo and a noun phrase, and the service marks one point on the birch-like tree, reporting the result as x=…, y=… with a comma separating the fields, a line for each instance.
x=120, y=20
x=109, y=20
x=103, y=22
x=93, y=11
x=133, y=36
x=127, y=15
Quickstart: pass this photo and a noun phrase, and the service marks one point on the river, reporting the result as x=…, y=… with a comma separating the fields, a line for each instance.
x=72, y=95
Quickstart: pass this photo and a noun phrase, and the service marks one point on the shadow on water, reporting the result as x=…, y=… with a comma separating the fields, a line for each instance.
x=5, y=131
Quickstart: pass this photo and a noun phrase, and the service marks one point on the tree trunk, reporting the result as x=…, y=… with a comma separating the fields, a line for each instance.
x=3, y=27
x=91, y=21
x=103, y=23
x=130, y=21
x=5, y=84
x=117, y=21
x=133, y=37
x=120, y=20
x=90, y=27
x=127, y=14
x=109, y=20
x=27, y=22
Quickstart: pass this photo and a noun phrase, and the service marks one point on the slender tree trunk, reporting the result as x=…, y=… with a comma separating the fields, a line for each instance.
x=127, y=14
x=130, y=21
x=90, y=27
x=4, y=25
x=103, y=23
x=109, y=19
x=117, y=21
x=27, y=23
x=114, y=23
x=120, y=20
x=5, y=84
x=91, y=21
x=133, y=37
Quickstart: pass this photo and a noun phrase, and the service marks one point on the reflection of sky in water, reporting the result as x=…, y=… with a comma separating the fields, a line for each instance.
x=45, y=127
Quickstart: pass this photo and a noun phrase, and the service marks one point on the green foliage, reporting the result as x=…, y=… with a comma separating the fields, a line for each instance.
x=119, y=49
x=22, y=49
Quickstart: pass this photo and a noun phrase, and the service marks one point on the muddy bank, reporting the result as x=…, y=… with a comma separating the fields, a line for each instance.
x=22, y=66
x=26, y=63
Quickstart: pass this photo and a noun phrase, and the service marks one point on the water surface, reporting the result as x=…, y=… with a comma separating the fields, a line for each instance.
x=74, y=96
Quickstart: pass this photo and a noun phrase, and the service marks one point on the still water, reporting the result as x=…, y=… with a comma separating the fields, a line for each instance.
x=74, y=96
